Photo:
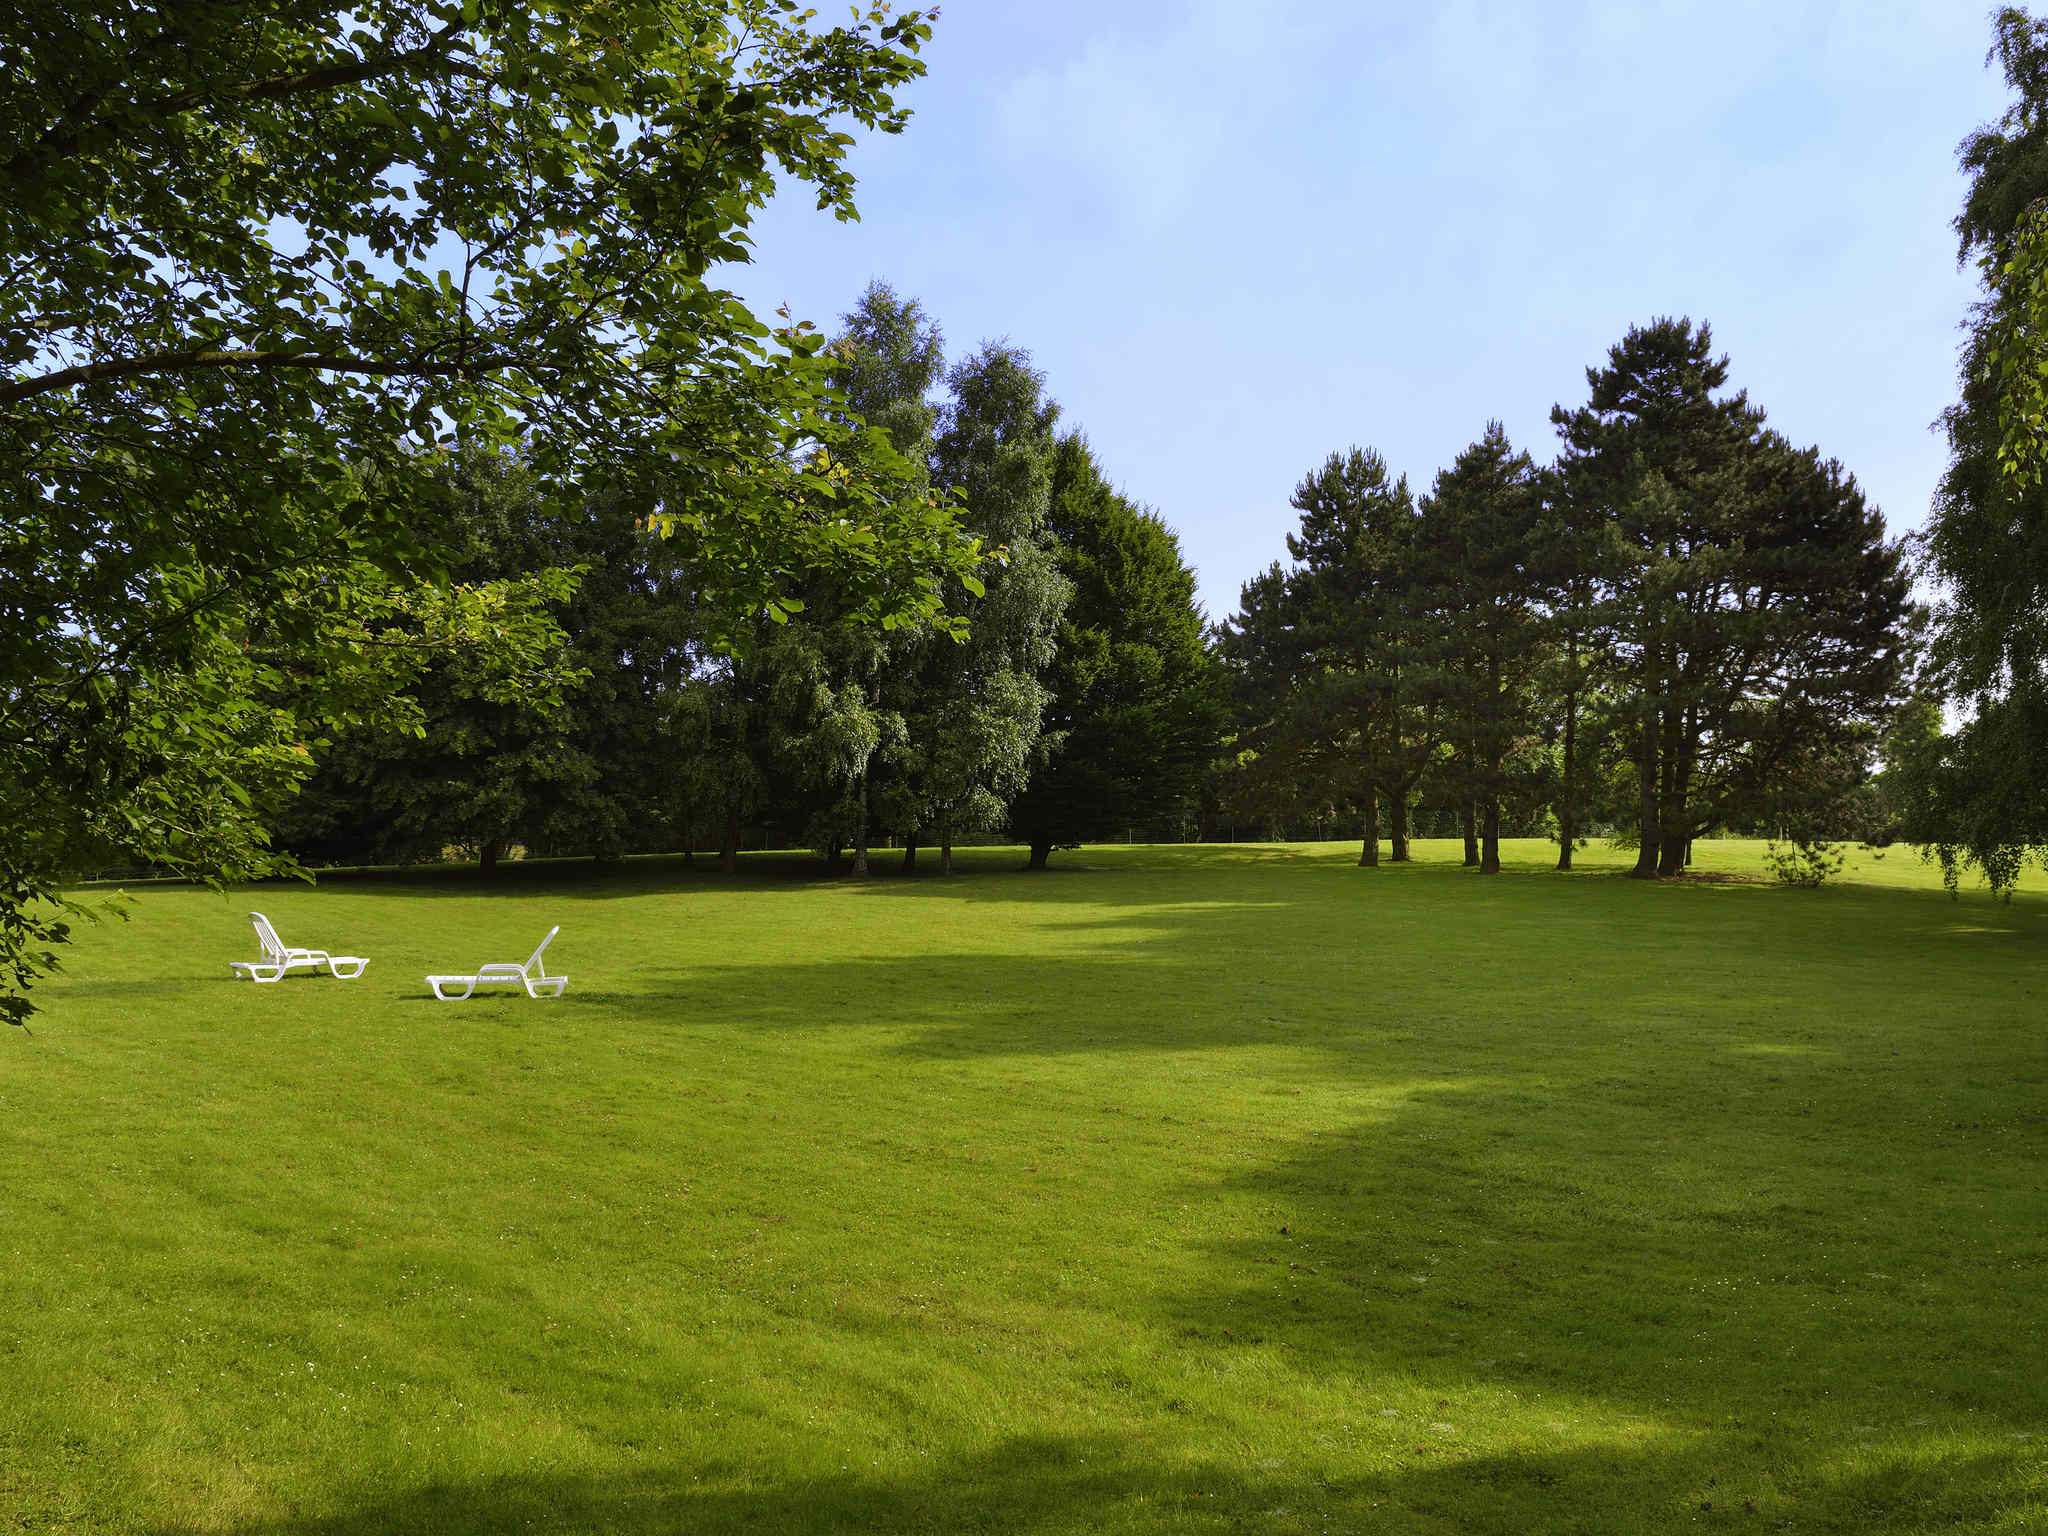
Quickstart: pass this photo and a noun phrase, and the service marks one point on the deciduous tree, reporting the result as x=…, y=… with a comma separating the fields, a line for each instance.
x=1981, y=798
x=977, y=715
x=251, y=249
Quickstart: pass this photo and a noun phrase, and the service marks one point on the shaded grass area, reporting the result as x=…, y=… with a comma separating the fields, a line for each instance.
x=1206, y=1189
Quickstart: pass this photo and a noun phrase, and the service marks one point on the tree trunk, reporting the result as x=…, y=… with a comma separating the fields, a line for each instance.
x=1646, y=798
x=910, y=850
x=1040, y=852
x=1489, y=857
x=1671, y=798
x=1369, y=853
x=488, y=856
x=1678, y=813
x=729, y=845
x=1397, y=827
x=1470, y=821
x=1567, y=800
x=860, y=841
x=945, y=845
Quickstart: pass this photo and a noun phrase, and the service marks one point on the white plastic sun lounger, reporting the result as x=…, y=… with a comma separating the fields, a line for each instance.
x=278, y=958
x=530, y=975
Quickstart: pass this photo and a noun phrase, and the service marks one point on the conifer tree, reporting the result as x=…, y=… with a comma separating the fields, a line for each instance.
x=1298, y=732
x=1133, y=704
x=1757, y=616
x=1569, y=554
x=1477, y=549
x=1340, y=644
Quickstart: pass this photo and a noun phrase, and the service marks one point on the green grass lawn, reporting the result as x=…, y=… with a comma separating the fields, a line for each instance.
x=1191, y=1189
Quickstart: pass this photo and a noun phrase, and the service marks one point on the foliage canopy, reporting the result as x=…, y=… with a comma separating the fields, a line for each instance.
x=251, y=252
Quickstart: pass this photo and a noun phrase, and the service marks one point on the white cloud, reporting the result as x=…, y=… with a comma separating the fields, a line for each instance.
x=1144, y=125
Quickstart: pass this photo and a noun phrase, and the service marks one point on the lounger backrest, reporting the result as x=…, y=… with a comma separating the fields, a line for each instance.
x=532, y=966
x=266, y=935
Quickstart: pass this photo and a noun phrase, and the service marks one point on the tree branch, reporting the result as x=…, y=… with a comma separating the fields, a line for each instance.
x=66, y=134
x=203, y=360
x=309, y=79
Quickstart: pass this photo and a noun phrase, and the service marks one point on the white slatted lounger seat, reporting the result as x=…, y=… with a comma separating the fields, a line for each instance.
x=530, y=975
x=279, y=958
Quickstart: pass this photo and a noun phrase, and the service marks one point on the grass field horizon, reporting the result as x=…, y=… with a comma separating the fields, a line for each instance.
x=1213, y=1188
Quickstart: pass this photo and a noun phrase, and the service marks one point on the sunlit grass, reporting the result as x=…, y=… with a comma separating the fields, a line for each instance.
x=1173, y=1189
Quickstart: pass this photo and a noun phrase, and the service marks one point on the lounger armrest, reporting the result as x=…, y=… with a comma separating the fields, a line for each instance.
x=501, y=968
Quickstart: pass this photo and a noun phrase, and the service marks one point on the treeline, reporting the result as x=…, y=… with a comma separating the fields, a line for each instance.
x=1683, y=624
x=1071, y=698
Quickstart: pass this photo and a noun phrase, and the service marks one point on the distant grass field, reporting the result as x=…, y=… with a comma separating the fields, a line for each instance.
x=1175, y=1189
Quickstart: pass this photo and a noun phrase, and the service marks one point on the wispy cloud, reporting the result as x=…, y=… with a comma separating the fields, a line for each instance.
x=1144, y=128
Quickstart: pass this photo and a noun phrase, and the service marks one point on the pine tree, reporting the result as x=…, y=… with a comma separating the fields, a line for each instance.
x=1476, y=549
x=1344, y=650
x=1756, y=615
x=1570, y=552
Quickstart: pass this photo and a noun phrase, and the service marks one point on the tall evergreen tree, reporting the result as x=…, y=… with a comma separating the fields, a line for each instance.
x=1654, y=454
x=1758, y=617
x=1571, y=551
x=1298, y=733
x=1133, y=706
x=1340, y=642
x=1477, y=548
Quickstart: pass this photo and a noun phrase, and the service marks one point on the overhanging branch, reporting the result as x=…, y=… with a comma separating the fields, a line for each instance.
x=201, y=360
x=69, y=131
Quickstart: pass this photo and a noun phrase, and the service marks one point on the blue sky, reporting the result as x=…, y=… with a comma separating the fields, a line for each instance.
x=1238, y=236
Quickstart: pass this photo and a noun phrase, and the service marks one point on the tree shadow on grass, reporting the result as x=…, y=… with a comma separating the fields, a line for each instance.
x=1827, y=1333
x=979, y=873
x=1434, y=981
x=1693, y=1195
x=1060, y=1483
x=1718, y=1204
